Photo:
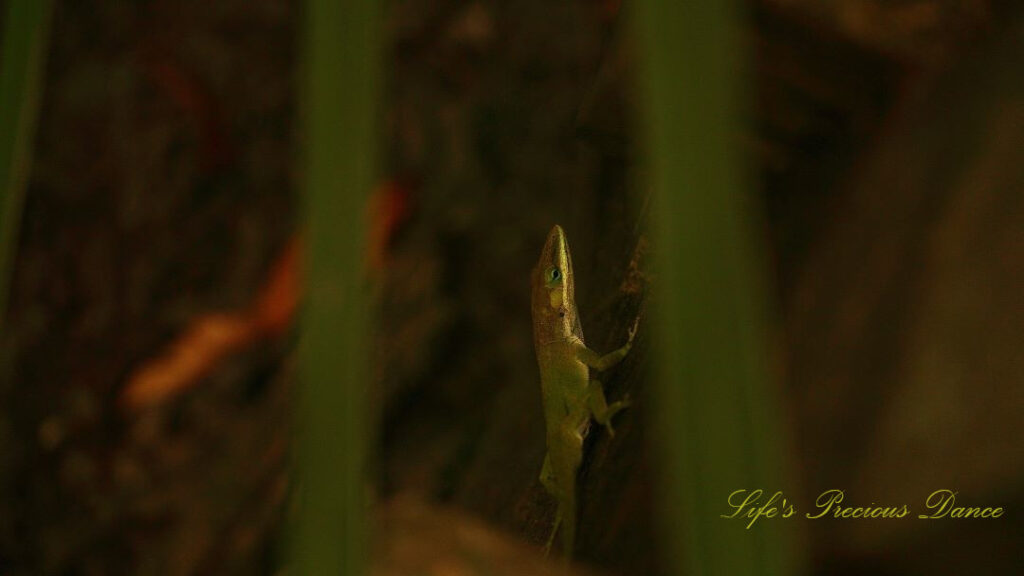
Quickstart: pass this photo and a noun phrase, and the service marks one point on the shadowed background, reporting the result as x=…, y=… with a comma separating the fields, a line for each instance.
x=885, y=140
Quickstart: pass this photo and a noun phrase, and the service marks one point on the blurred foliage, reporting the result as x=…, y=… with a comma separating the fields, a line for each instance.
x=164, y=190
x=332, y=420
x=717, y=424
x=24, y=49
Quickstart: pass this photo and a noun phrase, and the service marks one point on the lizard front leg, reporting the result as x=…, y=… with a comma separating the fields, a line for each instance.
x=602, y=363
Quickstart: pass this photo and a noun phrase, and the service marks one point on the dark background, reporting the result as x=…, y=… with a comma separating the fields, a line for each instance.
x=885, y=145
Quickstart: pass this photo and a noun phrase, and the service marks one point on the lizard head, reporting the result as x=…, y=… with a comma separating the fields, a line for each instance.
x=553, y=297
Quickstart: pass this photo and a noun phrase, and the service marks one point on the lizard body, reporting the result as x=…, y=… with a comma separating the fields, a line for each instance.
x=570, y=397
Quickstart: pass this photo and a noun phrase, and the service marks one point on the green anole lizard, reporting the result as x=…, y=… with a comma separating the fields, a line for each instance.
x=571, y=398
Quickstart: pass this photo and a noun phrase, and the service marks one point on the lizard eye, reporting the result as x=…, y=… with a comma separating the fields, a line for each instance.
x=554, y=275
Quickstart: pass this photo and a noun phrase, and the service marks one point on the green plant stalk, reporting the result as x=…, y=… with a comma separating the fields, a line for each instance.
x=719, y=427
x=331, y=417
x=21, y=69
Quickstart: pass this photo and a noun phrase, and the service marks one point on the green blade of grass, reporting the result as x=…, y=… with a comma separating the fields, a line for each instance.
x=26, y=27
x=331, y=419
x=718, y=426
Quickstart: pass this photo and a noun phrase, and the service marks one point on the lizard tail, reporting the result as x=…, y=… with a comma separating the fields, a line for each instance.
x=554, y=530
x=568, y=514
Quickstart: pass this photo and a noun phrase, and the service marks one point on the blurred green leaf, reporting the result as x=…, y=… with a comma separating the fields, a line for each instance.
x=21, y=68
x=331, y=417
x=719, y=428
